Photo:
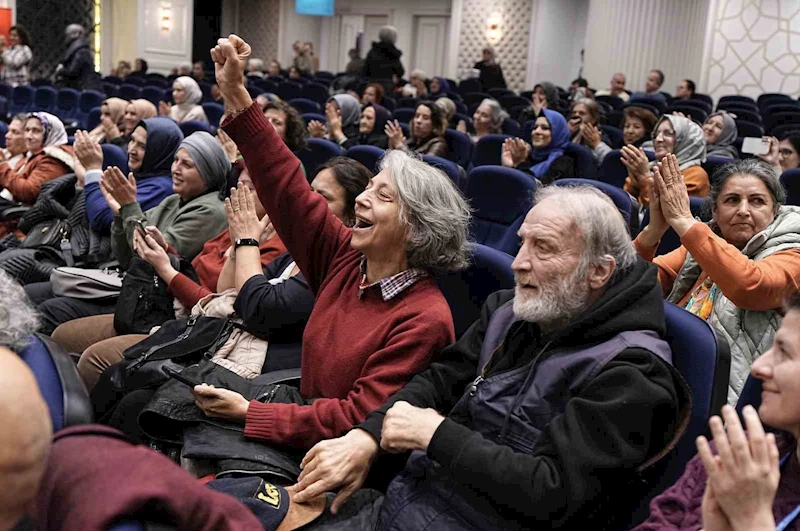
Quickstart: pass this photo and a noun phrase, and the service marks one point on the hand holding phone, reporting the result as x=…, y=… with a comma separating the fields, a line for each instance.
x=756, y=145
x=139, y=225
x=172, y=373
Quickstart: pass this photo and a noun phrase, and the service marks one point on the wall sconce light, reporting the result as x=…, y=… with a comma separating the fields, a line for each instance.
x=494, y=28
x=166, y=17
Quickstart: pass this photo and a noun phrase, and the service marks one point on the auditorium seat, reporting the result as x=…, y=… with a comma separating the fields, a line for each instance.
x=21, y=99
x=404, y=115
x=459, y=147
x=509, y=102
x=498, y=93
x=487, y=150
x=135, y=80
x=288, y=90
x=703, y=359
x=585, y=163
x=695, y=113
x=745, y=128
x=647, y=104
x=44, y=99
x=315, y=92
x=88, y=100
x=205, y=88
x=3, y=131
x=671, y=241
x=93, y=120
x=615, y=101
x=41, y=82
x=615, y=135
x=791, y=183
x=407, y=102
x=192, y=126
x=514, y=112
x=511, y=127
x=469, y=85
x=782, y=118
x=252, y=89
x=214, y=112
x=714, y=163
x=745, y=114
x=737, y=104
x=304, y=105
x=466, y=290
x=318, y=152
x=369, y=156
x=612, y=171
x=776, y=108
x=782, y=131
x=769, y=98
x=115, y=156
x=622, y=200
x=700, y=104
x=450, y=168
x=498, y=196
x=706, y=98
x=110, y=90
x=114, y=80
x=66, y=103
x=389, y=103
x=129, y=92
x=471, y=98
x=5, y=90
x=308, y=116
x=153, y=94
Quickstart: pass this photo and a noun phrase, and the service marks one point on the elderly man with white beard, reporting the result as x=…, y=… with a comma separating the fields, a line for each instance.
x=551, y=411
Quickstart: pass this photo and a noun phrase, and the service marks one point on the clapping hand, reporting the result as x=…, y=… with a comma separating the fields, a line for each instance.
x=514, y=152
x=110, y=128
x=316, y=129
x=228, y=145
x=395, y=134
x=334, y=118
x=591, y=135
x=539, y=102
x=743, y=477
x=89, y=152
x=638, y=165
x=164, y=108
x=673, y=196
x=117, y=190
x=242, y=219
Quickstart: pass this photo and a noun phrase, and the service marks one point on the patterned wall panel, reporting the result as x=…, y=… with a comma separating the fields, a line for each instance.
x=46, y=21
x=755, y=45
x=512, y=50
x=259, y=24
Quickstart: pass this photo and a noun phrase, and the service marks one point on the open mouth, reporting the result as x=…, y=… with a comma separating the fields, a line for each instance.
x=362, y=223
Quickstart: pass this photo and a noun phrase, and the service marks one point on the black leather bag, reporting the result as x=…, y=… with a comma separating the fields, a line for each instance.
x=144, y=301
x=47, y=234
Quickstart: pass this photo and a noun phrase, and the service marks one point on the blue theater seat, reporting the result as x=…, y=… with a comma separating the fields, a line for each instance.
x=318, y=152
x=369, y=156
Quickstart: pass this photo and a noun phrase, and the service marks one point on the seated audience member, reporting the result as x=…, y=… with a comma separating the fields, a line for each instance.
x=487, y=120
x=685, y=91
x=274, y=68
x=287, y=123
x=439, y=88
x=378, y=315
x=491, y=74
x=216, y=97
x=735, y=271
x=749, y=480
x=579, y=89
x=135, y=112
x=672, y=134
x=15, y=140
x=141, y=68
x=356, y=64
x=785, y=154
x=546, y=161
x=426, y=131
x=295, y=74
x=448, y=108
x=187, y=95
x=652, y=87
x=112, y=112
x=637, y=125
x=382, y=64
x=373, y=94
x=122, y=70
x=199, y=71
x=255, y=67
x=371, y=128
x=343, y=113
x=584, y=128
x=48, y=156
x=720, y=131
x=545, y=96
x=616, y=88
x=27, y=428
x=603, y=408
x=416, y=88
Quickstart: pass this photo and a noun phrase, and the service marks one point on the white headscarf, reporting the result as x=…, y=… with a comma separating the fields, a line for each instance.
x=690, y=142
x=193, y=97
x=54, y=132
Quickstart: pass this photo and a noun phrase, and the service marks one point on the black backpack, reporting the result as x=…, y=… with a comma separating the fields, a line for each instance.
x=144, y=301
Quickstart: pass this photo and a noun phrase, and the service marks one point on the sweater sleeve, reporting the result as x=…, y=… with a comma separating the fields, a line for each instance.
x=122, y=233
x=756, y=285
x=313, y=235
x=149, y=194
x=405, y=354
x=668, y=264
x=192, y=227
x=26, y=185
x=680, y=506
x=187, y=291
x=633, y=402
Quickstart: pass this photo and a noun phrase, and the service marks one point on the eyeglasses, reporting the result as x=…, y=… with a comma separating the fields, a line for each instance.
x=666, y=134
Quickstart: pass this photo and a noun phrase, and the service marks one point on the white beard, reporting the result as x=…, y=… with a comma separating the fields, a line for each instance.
x=560, y=300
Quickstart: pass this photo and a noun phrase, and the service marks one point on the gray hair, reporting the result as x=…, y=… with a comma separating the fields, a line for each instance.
x=419, y=73
x=603, y=228
x=753, y=167
x=447, y=106
x=432, y=207
x=75, y=31
x=256, y=63
x=18, y=318
x=498, y=113
x=388, y=34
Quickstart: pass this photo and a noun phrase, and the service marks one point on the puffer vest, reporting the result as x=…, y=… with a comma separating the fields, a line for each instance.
x=510, y=408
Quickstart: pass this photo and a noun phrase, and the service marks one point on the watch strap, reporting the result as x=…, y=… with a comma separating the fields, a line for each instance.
x=245, y=241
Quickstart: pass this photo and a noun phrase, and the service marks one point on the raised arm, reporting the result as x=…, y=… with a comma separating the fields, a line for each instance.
x=312, y=234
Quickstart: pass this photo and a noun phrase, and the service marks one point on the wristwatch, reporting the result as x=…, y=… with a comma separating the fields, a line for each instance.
x=245, y=241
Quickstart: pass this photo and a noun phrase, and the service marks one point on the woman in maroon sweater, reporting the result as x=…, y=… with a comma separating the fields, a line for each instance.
x=750, y=482
x=379, y=317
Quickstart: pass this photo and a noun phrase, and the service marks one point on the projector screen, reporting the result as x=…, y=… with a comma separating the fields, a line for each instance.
x=314, y=7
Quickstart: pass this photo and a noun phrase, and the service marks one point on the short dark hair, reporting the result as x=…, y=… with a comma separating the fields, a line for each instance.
x=295, y=125
x=144, y=65
x=437, y=117
x=379, y=92
x=352, y=176
x=24, y=36
x=690, y=85
x=660, y=76
x=647, y=118
x=793, y=137
x=754, y=167
x=580, y=82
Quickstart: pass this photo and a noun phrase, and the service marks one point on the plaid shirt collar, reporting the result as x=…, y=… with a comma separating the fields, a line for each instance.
x=392, y=286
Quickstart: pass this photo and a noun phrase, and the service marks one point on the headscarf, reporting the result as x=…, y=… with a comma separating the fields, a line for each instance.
x=382, y=115
x=163, y=138
x=559, y=138
x=723, y=147
x=444, y=86
x=144, y=109
x=349, y=107
x=54, y=132
x=116, y=110
x=690, y=142
x=550, y=94
x=209, y=157
x=193, y=96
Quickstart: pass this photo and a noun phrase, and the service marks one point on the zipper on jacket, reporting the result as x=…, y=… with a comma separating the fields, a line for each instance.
x=152, y=350
x=475, y=385
x=269, y=395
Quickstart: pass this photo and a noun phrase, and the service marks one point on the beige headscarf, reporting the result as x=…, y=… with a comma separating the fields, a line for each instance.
x=144, y=110
x=116, y=109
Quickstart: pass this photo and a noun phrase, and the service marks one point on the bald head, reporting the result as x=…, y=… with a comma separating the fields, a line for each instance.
x=74, y=31
x=24, y=438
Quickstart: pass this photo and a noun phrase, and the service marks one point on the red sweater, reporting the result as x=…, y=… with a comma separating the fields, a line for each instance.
x=208, y=266
x=356, y=352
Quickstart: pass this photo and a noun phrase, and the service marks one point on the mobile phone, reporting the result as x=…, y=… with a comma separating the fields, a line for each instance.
x=755, y=145
x=172, y=373
x=140, y=226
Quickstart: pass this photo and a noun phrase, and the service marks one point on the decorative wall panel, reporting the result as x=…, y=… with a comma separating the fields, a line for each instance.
x=259, y=24
x=755, y=45
x=512, y=50
x=46, y=21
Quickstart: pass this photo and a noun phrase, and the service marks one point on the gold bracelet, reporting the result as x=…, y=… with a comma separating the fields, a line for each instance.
x=236, y=112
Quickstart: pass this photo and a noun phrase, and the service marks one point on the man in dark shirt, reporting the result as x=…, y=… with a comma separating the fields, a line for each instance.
x=556, y=400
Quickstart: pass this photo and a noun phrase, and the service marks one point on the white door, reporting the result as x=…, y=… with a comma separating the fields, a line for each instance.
x=351, y=27
x=372, y=26
x=430, y=44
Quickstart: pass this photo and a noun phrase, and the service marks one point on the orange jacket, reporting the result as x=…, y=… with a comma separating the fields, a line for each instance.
x=695, y=177
x=26, y=184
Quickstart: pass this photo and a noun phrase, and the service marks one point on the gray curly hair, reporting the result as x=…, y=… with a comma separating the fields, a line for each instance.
x=435, y=211
x=18, y=318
